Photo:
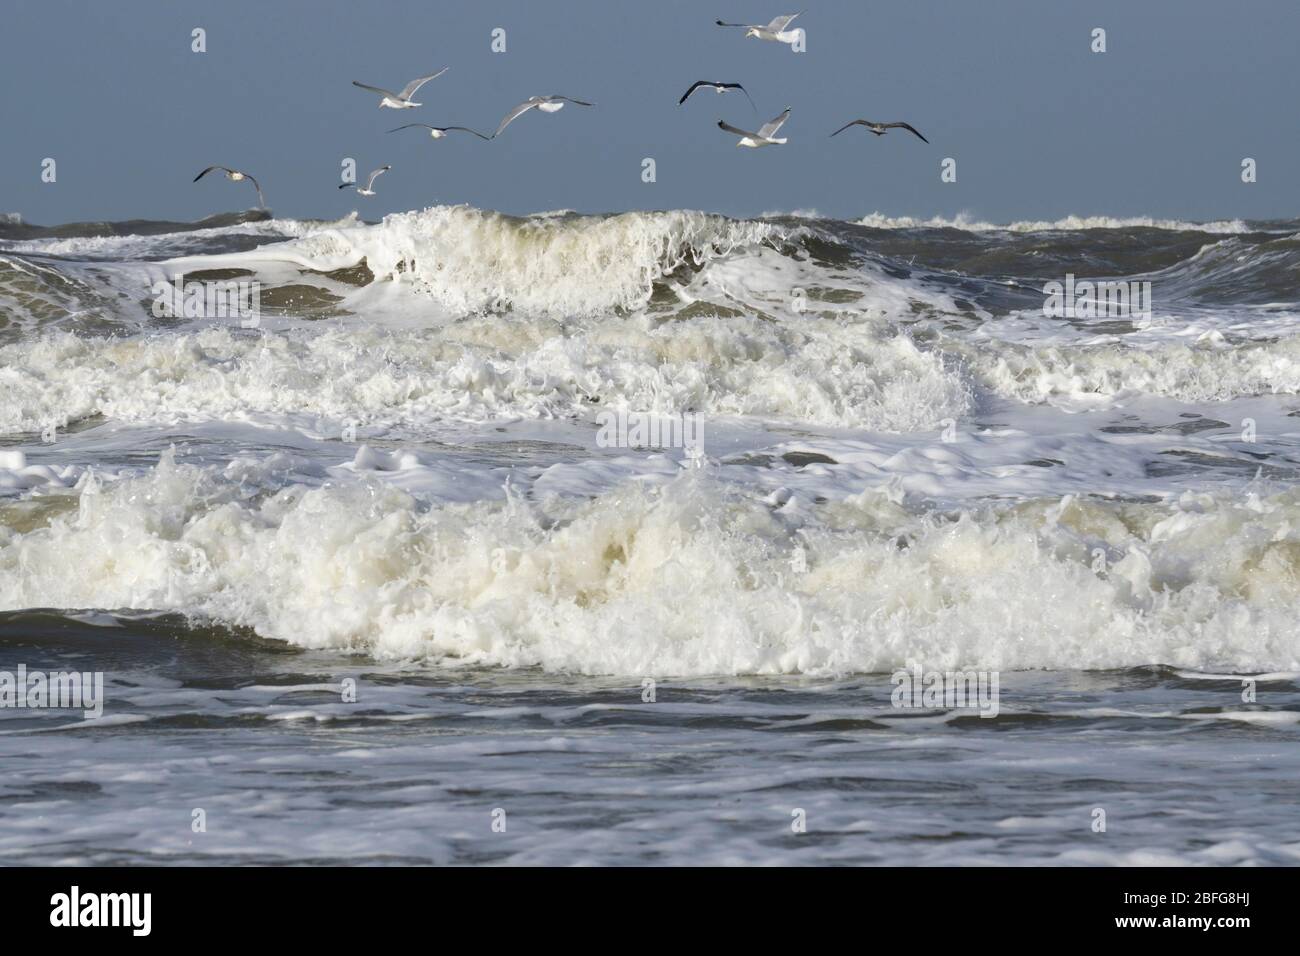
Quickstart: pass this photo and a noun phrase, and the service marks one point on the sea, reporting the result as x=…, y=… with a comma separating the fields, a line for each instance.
x=650, y=538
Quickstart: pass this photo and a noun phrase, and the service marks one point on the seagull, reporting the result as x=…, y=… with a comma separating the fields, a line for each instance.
x=880, y=128
x=438, y=132
x=547, y=104
x=402, y=100
x=764, y=137
x=718, y=88
x=776, y=30
x=235, y=176
x=367, y=191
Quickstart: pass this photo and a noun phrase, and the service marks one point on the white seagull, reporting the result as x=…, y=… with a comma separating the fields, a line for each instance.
x=438, y=132
x=235, y=176
x=402, y=100
x=717, y=88
x=776, y=30
x=766, y=135
x=368, y=191
x=547, y=104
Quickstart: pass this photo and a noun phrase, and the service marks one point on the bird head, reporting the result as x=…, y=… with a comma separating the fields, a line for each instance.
x=751, y=32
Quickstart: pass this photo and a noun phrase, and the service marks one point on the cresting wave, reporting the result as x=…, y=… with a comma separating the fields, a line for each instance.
x=878, y=220
x=470, y=260
x=687, y=578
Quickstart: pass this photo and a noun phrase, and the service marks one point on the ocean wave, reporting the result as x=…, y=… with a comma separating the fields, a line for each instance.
x=131, y=246
x=470, y=260
x=878, y=220
x=1098, y=376
x=689, y=578
x=816, y=370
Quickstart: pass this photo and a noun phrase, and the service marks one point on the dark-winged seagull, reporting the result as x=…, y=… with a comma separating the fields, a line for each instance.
x=438, y=132
x=716, y=87
x=880, y=128
x=235, y=176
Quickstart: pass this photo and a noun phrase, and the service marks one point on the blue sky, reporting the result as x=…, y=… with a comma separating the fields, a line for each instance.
x=1039, y=126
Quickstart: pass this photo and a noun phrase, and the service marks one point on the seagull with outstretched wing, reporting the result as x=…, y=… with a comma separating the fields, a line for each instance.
x=766, y=135
x=402, y=100
x=547, y=104
x=881, y=128
x=438, y=132
x=776, y=30
x=235, y=176
x=717, y=88
x=368, y=189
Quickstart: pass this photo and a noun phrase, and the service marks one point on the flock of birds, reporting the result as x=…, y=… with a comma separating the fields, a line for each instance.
x=777, y=31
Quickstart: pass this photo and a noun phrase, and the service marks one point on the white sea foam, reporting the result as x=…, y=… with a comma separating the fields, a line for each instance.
x=819, y=370
x=134, y=246
x=470, y=260
x=688, y=578
x=614, y=563
x=1204, y=370
x=878, y=220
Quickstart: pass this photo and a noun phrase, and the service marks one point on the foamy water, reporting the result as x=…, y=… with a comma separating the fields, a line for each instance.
x=398, y=474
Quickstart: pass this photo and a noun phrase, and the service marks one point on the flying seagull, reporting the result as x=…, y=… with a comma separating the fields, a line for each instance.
x=776, y=30
x=766, y=135
x=235, y=176
x=718, y=88
x=880, y=128
x=547, y=104
x=368, y=191
x=438, y=132
x=402, y=100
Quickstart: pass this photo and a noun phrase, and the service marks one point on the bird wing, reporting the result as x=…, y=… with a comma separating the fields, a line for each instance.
x=409, y=90
x=694, y=86
x=737, y=86
x=848, y=124
x=466, y=129
x=376, y=89
x=208, y=170
x=514, y=114
x=779, y=24
x=747, y=26
x=570, y=99
x=409, y=125
x=911, y=129
x=261, y=200
x=768, y=130
x=733, y=129
x=376, y=174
